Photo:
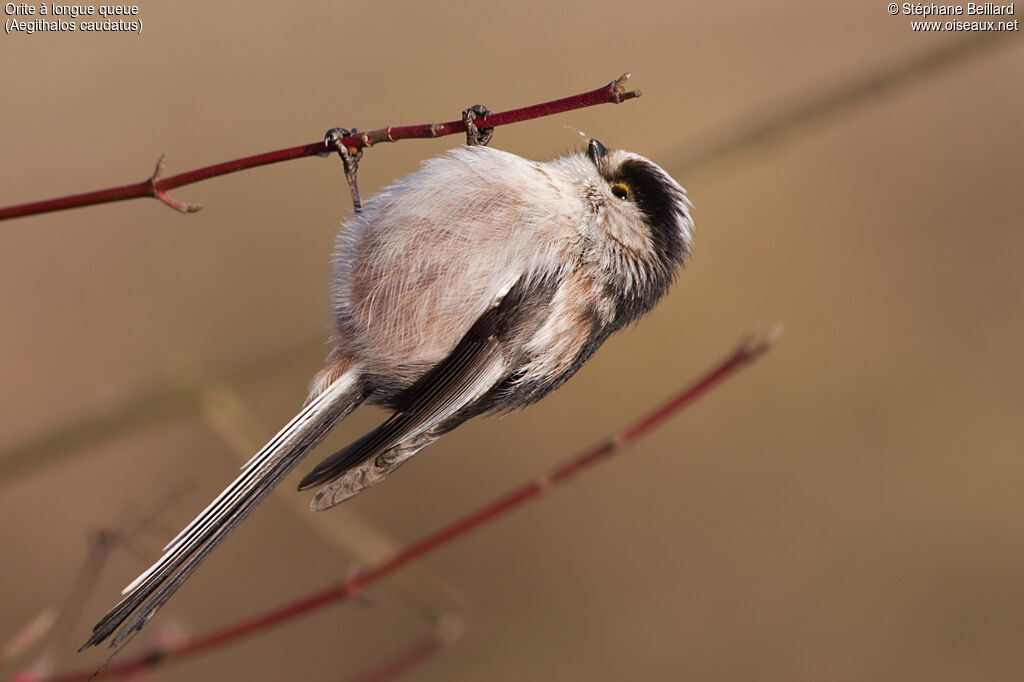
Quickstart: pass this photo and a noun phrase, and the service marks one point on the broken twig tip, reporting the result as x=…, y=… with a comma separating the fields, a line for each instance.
x=756, y=343
x=619, y=90
x=159, y=166
x=450, y=627
x=178, y=206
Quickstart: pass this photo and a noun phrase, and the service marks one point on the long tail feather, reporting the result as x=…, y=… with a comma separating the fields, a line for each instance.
x=147, y=593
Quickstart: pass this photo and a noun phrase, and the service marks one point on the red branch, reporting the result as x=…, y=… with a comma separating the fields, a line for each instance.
x=447, y=630
x=156, y=186
x=750, y=349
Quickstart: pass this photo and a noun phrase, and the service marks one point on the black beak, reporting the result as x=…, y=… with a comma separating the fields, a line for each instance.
x=596, y=151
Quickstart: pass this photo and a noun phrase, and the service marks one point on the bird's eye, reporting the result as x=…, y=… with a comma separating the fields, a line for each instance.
x=620, y=190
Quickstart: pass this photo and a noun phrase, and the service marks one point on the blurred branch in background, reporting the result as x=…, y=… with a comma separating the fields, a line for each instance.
x=180, y=393
x=750, y=349
x=446, y=631
x=27, y=638
x=791, y=117
x=54, y=629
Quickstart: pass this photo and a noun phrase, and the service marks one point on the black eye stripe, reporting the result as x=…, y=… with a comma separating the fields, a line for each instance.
x=660, y=201
x=655, y=196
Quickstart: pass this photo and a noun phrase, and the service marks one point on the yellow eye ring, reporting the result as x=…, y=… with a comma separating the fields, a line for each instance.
x=621, y=190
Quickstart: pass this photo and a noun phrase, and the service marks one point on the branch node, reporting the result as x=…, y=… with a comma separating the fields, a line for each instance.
x=353, y=585
x=153, y=658
x=350, y=155
x=157, y=193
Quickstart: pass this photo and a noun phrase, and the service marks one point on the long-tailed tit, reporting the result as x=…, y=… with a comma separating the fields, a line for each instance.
x=478, y=284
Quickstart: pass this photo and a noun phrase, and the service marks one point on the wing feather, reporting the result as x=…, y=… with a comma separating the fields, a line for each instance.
x=489, y=352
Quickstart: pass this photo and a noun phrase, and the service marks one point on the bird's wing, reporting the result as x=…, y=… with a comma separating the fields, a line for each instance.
x=371, y=472
x=147, y=593
x=489, y=352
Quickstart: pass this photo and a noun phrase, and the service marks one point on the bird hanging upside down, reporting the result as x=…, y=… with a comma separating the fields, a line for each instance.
x=478, y=284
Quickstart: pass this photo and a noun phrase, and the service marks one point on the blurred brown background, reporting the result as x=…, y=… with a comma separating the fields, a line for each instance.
x=849, y=508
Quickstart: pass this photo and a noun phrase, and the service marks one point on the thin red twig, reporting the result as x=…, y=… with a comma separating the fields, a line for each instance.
x=406, y=661
x=156, y=186
x=447, y=630
x=750, y=349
